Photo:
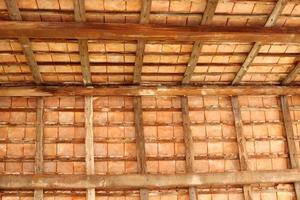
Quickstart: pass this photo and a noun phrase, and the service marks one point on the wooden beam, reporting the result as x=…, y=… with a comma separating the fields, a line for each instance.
x=39, y=145
x=292, y=75
x=148, y=90
x=256, y=47
x=137, y=181
x=188, y=144
x=288, y=125
x=89, y=30
x=241, y=142
x=14, y=14
x=197, y=47
x=140, y=49
x=140, y=143
x=89, y=144
x=79, y=12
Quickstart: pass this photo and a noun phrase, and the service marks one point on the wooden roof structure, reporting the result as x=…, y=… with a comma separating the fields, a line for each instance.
x=150, y=99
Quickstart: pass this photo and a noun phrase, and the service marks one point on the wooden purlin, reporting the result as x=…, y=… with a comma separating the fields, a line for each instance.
x=14, y=14
x=79, y=13
x=256, y=47
x=197, y=47
x=288, y=125
x=241, y=142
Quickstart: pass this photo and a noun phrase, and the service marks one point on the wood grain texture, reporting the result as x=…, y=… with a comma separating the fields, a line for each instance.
x=291, y=75
x=110, y=90
x=89, y=30
x=140, y=49
x=188, y=144
x=80, y=16
x=15, y=14
x=241, y=142
x=137, y=181
x=288, y=126
x=197, y=47
x=272, y=19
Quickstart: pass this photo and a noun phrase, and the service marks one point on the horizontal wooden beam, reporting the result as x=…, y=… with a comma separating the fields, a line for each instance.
x=148, y=90
x=136, y=181
x=88, y=30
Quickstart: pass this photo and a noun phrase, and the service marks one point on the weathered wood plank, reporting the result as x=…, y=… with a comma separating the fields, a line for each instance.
x=14, y=14
x=89, y=30
x=149, y=90
x=140, y=49
x=197, y=47
x=188, y=144
x=288, y=125
x=79, y=12
x=256, y=47
x=241, y=142
x=140, y=143
x=39, y=145
x=89, y=144
x=137, y=181
x=292, y=75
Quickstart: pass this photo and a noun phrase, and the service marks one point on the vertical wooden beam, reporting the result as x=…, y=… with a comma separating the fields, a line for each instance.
x=292, y=75
x=79, y=12
x=140, y=143
x=14, y=14
x=241, y=141
x=288, y=126
x=39, y=145
x=140, y=48
x=197, y=47
x=89, y=143
x=188, y=144
x=256, y=47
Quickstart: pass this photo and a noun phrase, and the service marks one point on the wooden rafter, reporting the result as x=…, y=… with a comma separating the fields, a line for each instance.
x=115, y=31
x=79, y=12
x=192, y=63
x=256, y=47
x=241, y=142
x=14, y=14
x=188, y=144
x=292, y=75
x=140, y=143
x=149, y=90
x=140, y=48
x=89, y=144
x=137, y=181
x=288, y=125
x=39, y=146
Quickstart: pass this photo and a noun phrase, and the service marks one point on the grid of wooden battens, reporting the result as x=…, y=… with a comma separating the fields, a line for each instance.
x=13, y=10
x=138, y=121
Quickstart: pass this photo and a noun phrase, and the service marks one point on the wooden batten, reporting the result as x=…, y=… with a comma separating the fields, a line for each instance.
x=292, y=75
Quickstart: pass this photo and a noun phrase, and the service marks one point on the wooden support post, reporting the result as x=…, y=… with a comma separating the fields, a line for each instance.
x=89, y=144
x=140, y=48
x=288, y=125
x=188, y=144
x=79, y=12
x=256, y=47
x=39, y=145
x=241, y=142
x=197, y=47
x=292, y=75
x=140, y=143
x=14, y=14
